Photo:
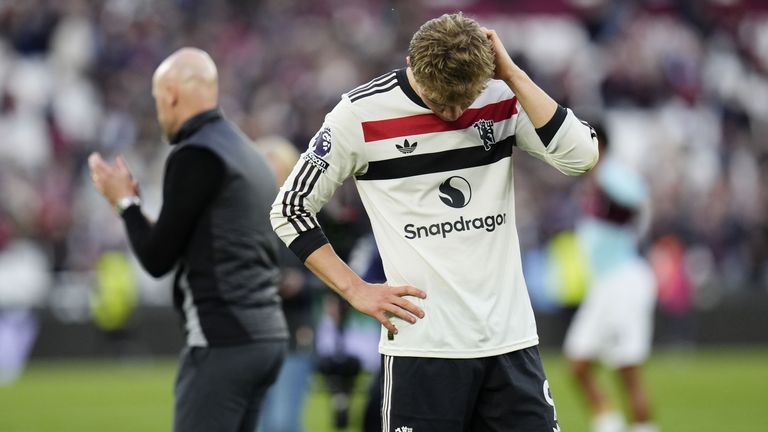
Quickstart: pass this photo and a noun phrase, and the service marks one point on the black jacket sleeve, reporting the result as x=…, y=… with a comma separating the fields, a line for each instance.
x=193, y=179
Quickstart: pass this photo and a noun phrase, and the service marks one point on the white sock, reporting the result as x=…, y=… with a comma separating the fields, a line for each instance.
x=611, y=421
x=645, y=427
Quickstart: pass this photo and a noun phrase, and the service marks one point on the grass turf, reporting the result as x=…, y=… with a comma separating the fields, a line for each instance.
x=693, y=391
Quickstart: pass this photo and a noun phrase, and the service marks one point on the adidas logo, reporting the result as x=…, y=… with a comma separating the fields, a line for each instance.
x=404, y=429
x=406, y=148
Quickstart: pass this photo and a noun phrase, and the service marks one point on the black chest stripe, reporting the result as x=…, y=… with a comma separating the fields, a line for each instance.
x=451, y=160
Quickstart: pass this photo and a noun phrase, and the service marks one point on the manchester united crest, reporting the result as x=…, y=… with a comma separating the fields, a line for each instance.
x=485, y=129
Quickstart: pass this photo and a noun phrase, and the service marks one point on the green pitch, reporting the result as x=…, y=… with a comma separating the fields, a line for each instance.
x=694, y=391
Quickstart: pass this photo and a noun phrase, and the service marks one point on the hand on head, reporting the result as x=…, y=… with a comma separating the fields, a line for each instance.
x=505, y=67
x=113, y=180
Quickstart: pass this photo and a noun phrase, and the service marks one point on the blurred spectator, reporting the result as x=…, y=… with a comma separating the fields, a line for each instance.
x=283, y=406
x=24, y=280
x=667, y=258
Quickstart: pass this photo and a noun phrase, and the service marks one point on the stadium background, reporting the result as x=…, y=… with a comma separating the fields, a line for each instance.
x=682, y=87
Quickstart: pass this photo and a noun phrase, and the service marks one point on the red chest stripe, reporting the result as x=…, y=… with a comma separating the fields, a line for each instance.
x=429, y=123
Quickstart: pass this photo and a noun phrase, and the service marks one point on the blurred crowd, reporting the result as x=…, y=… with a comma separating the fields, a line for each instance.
x=681, y=86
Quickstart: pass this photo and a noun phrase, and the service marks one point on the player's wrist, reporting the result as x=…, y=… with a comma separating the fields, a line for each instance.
x=352, y=289
x=349, y=286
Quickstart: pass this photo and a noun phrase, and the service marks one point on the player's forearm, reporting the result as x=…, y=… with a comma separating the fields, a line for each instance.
x=329, y=268
x=535, y=101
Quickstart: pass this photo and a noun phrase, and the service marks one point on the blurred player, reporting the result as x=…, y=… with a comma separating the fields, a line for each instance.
x=214, y=224
x=283, y=409
x=430, y=147
x=615, y=321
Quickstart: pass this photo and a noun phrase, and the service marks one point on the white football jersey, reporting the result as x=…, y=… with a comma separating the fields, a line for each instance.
x=440, y=197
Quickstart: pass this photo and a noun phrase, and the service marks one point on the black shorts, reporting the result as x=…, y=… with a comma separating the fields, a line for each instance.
x=504, y=393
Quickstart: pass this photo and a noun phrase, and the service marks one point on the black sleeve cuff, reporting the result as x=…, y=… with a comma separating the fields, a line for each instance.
x=132, y=215
x=308, y=242
x=548, y=131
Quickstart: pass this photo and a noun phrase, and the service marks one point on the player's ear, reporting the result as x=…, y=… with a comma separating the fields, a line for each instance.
x=164, y=94
x=408, y=61
x=172, y=96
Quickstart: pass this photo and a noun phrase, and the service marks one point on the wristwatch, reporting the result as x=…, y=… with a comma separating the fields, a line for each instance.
x=125, y=202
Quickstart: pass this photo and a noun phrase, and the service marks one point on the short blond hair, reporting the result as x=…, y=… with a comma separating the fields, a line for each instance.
x=451, y=59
